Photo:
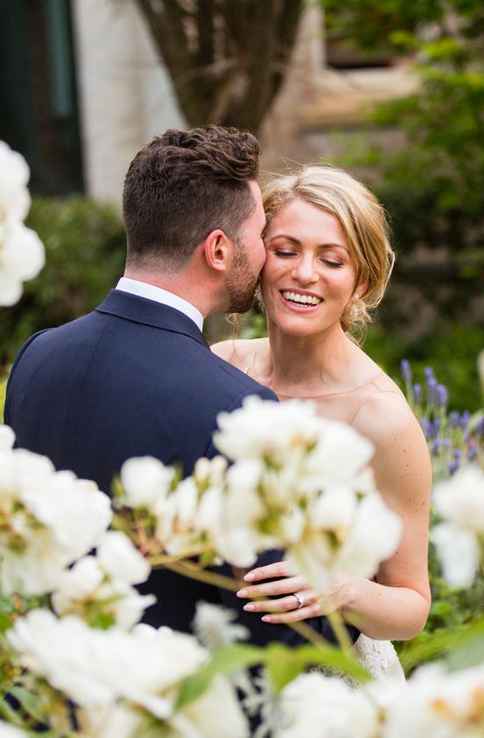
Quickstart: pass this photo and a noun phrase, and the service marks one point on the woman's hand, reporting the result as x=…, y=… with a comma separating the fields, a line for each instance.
x=298, y=600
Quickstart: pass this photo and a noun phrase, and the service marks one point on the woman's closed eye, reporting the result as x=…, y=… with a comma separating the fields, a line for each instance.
x=284, y=253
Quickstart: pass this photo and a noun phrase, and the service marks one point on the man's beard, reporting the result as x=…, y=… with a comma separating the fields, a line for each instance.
x=240, y=283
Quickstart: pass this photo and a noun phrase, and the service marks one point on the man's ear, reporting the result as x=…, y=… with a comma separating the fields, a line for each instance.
x=217, y=249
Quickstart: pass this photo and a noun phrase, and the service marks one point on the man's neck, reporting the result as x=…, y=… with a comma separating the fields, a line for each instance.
x=174, y=283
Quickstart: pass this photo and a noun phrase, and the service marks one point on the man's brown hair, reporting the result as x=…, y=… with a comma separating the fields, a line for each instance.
x=183, y=185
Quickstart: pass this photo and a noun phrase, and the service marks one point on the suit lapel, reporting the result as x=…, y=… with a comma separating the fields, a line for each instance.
x=148, y=312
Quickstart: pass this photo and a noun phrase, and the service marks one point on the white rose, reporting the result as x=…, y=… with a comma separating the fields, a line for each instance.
x=22, y=254
x=7, y=438
x=119, y=558
x=373, y=537
x=214, y=626
x=437, y=703
x=9, y=731
x=77, y=583
x=14, y=175
x=146, y=481
x=203, y=716
x=325, y=707
x=458, y=552
x=339, y=456
x=460, y=499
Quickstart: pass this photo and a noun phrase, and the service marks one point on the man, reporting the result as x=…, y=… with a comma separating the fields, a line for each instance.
x=135, y=377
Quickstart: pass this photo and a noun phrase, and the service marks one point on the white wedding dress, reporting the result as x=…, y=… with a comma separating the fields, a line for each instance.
x=380, y=659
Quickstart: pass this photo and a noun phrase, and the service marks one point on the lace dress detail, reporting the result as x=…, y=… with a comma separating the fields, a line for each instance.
x=380, y=659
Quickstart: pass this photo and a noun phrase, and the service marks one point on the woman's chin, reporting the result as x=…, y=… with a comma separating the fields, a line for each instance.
x=297, y=325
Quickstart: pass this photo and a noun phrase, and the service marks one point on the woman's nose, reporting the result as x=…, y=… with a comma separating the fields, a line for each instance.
x=305, y=271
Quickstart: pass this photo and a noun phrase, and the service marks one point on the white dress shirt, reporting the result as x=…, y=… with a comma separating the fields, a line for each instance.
x=143, y=289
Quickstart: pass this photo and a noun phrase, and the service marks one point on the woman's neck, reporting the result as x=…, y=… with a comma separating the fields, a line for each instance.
x=317, y=364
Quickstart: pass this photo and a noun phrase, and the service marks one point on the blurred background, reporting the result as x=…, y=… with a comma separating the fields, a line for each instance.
x=389, y=89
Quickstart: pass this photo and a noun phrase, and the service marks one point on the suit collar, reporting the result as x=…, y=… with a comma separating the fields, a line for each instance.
x=148, y=312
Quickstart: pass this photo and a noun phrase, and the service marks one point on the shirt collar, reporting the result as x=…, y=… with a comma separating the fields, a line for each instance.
x=150, y=292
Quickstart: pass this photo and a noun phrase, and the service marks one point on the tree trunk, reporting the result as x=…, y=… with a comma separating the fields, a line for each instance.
x=227, y=58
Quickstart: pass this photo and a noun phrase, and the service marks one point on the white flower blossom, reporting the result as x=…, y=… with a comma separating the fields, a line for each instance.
x=7, y=438
x=100, y=670
x=22, y=254
x=325, y=707
x=214, y=626
x=53, y=519
x=9, y=731
x=458, y=552
x=459, y=501
x=121, y=560
x=437, y=704
x=262, y=428
x=101, y=585
x=146, y=482
x=14, y=176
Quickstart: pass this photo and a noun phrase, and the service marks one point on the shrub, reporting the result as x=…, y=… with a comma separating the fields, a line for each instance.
x=84, y=243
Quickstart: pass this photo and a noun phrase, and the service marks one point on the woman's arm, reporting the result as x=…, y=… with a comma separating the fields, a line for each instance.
x=395, y=605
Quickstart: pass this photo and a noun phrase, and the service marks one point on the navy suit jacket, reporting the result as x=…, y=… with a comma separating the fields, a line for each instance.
x=132, y=378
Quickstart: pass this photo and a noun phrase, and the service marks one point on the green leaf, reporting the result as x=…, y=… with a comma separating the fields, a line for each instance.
x=284, y=664
x=471, y=654
x=31, y=703
x=440, y=643
x=224, y=661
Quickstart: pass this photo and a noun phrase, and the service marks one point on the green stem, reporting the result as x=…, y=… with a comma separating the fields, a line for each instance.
x=202, y=575
x=11, y=715
x=340, y=631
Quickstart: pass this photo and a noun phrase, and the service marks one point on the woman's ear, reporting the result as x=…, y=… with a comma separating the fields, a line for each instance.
x=361, y=290
x=217, y=249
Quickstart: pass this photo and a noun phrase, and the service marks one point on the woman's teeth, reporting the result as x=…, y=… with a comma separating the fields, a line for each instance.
x=301, y=299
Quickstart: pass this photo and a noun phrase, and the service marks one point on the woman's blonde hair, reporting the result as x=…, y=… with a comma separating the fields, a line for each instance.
x=362, y=219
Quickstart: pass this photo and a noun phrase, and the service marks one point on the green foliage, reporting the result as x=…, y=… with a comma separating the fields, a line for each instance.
x=85, y=247
x=433, y=188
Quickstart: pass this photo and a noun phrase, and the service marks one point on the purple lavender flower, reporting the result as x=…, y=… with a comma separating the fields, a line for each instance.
x=472, y=452
x=453, y=419
x=441, y=394
x=429, y=374
x=406, y=370
x=456, y=461
x=432, y=397
x=464, y=420
x=436, y=446
x=417, y=393
x=426, y=427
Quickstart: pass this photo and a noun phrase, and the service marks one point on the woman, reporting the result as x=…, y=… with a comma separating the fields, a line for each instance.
x=328, y=263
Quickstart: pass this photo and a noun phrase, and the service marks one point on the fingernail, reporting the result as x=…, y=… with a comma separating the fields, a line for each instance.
x=250, y=606
x=249, y=577
x=242, y=593
x=266, y=618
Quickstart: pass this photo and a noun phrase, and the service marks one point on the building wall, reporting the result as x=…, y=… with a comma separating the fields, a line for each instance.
x=125, y=94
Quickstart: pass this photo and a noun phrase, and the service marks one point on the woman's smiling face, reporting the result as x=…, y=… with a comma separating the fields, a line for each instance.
x=309, y=276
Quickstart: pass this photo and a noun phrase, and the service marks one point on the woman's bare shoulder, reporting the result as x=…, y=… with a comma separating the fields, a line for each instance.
x=384, y=409
x=240, y=351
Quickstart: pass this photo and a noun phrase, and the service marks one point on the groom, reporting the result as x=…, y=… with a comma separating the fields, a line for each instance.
x=135, y=377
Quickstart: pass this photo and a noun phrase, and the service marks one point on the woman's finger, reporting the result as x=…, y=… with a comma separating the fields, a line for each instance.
x=279, y=569
x=268, y=589
x=281, y=604
x=295, y=616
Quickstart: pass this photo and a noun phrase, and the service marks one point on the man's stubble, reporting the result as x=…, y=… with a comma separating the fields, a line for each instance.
x=241, y=282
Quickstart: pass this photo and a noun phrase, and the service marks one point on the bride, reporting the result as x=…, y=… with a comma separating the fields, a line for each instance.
x=328, y=263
